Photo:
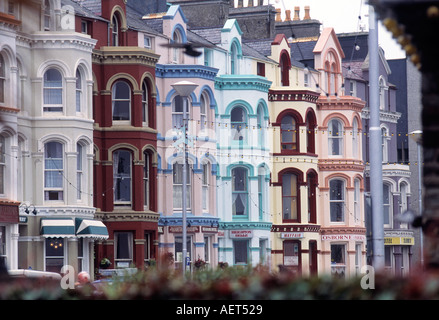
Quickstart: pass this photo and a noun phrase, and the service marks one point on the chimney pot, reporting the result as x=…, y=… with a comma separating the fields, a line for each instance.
x=240, y=3
x=296, y=13
x=278, y=13
x=250, y=3
x=307, y=16
x=287, y=15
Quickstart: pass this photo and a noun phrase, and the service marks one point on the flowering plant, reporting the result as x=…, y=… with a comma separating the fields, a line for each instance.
x=199, y=264
x=105, y=263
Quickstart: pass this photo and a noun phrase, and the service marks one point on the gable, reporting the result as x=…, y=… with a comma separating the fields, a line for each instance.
x=327, y=39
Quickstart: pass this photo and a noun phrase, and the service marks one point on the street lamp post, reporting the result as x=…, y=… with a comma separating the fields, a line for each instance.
x=417, y=137
x=184, y=89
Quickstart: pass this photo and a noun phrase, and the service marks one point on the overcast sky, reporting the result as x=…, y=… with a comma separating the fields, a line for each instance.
x=342, y=15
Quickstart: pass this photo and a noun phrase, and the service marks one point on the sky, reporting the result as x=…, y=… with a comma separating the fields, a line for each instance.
x=342, y=15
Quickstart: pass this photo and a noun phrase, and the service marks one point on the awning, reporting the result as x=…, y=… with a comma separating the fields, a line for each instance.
x=87, y=228
x=57, y=227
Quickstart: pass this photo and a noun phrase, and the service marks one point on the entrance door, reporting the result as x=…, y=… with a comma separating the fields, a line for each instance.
x=292, y=260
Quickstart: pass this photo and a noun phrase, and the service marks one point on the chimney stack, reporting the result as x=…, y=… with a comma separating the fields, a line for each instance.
x=296, y=13
x=287, y=15
x=307, y=16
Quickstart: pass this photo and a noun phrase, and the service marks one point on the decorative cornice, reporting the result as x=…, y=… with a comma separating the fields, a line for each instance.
x=245, y=225
x=342, y=230
x=292, y=95
x=295, y=228
x=9, y=110
x=194, y=220
x=242, y=82
x=125, y=55
x=385, y=116
x=57, y=40
x=185, y=71
x=127, y=215
x=341, y=165
x=340, y=103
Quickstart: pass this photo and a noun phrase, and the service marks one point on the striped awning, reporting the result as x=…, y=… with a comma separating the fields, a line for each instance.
x=87, y=228
x=57, y=227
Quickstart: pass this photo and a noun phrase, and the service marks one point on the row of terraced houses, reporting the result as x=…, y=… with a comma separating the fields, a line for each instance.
x=91, y=164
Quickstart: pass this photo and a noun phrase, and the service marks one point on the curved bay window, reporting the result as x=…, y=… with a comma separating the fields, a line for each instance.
x=177, y=180
x=290, y=197
x=238, y=119
x=312, y=182
x=289, y=134
x=121, y=101
x=337, y=200
x=52, y=91
x=239, y=192
x=53, y=171
x=115, y=32
x=2, y=79
x=335, y=138
x=122, y=177
x=145, y=106
x=177, y=112
x=311, y=125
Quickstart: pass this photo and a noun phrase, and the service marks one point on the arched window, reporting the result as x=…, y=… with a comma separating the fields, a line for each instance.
x=53, y=171
x=203, y=112
x=239, y=192
x=261, y=127
x=2, y=79
x=290, y=197
x=335, y=137
x=311, y=180
x=147, y=180
x=289, y=134
x=285, y=65
x=145, y=97
x=331, y=69
x=238, y=119
x=234, y=59
x=2, y=164
x=355, y=137
x=115, y=30
x=357, y=204
x=205, y=186
x=384, y=143
x=177, y=180
x=79, y=91
x=310, y=132
x=176, y=53
x=177, y=112
x=121, y=100
x=80, y=165
x=382, y=88
x=52, y=91
x=404, y=190
x=387, y=205
x=122, y=168
x=337, y=200
x=47, y=16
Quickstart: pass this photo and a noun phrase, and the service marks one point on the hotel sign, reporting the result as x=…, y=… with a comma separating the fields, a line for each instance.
x=179, y=229
x=403, y=241
x=235, y=234
x=291, y=235
x=344, y=237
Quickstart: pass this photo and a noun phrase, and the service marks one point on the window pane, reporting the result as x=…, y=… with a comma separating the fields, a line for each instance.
x=239, y=176
x=241, y=252
x=338, y=253
x=122, y=175
x=124, y=245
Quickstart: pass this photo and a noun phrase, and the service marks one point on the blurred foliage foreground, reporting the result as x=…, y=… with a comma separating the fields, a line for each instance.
x=230, y=283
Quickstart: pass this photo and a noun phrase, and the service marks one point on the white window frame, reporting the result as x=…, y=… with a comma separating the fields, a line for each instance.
x=123, y=262
x=177, y=182
x=342, y=201
x=205, y=178
x=59, y=190
x=79, y=91
x=116, y=100
x=53, y=107
x=332, y=138
x=118, y=202
x=145, y=106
